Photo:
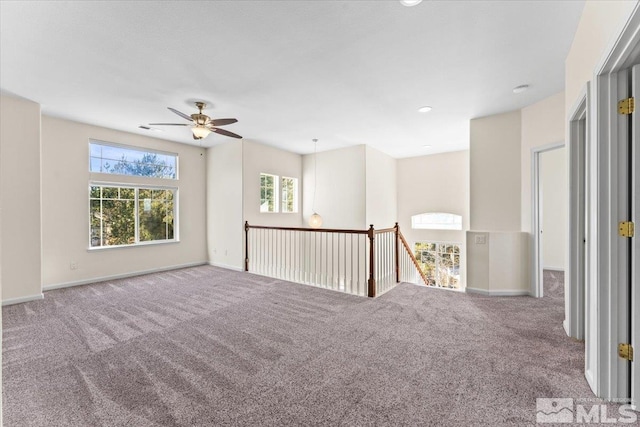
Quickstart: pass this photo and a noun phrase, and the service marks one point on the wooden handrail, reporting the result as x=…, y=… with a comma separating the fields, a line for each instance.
x=371, y=233
x=413, y=258
x=386, y=230
x=315, y=230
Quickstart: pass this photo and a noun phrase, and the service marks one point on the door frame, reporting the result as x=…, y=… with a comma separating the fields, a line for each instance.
x=605, y=258
x=577, y=279
x=536, y=217
x=635, y=244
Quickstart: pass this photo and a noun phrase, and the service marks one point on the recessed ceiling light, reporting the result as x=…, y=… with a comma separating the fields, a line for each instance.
x=410, y=3
x=426, y=146
x=520, y=89
x=425, y=109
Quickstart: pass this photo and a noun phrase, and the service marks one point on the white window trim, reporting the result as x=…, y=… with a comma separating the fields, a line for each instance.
x=436, y=226
x=176, y=219
x=276, y=194
x=295, y=194
x=135, y=148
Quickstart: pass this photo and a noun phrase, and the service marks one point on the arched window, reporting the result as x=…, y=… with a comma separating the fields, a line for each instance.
x=436, y=221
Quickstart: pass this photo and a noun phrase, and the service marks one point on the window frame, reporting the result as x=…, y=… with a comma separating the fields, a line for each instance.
x=295, y=195
x=133, y=148
x=276, y=191
x=136, y=187
x=436, y=253
x=452, y=226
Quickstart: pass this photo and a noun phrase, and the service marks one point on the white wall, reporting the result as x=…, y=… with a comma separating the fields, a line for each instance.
x=553, y=173
x=495, y=172
x=435, y=183
x=256, y=159
x=599, y=25
x=341, y=191
x=543, y=123
x=497, y=265
x=20, y=188
x=225, y=223
x=381, y=189
x=65, y=218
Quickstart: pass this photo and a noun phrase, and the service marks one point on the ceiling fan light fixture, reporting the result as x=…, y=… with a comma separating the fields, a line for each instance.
x=200, y=132
x=410, y=3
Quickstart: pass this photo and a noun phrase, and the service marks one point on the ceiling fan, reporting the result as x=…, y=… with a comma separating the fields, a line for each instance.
x=201, y=124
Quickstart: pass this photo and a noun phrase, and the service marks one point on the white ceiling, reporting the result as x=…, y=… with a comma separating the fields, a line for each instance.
x=345, y=72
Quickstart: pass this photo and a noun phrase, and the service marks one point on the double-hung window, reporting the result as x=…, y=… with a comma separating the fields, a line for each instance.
x=127, y=212
x=289, y=195
x=268, y=193
x=278, y=194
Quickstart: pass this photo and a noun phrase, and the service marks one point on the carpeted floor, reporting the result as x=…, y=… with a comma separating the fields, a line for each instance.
x=206, y=346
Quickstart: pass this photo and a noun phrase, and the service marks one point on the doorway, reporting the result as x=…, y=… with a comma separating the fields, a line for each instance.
x=613, y=253
x=549, y=211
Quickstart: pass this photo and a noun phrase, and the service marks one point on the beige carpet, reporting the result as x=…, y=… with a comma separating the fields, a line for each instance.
x=206, y=346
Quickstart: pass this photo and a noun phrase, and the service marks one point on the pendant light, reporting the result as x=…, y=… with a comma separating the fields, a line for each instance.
x=316, y=220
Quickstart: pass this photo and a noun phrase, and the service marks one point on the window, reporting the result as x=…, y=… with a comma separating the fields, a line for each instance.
x=126, y=215
x=437, y=221
x=268, y=193
x=289, y=195
x=440, y=262
x=119, y=160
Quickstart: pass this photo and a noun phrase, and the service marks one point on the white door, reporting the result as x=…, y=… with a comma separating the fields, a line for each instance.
x=635, y=241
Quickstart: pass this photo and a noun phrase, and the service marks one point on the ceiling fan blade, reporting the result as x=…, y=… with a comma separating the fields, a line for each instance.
x=169, y=124
x=225, y=133
x=183, y=115
x=222, y=122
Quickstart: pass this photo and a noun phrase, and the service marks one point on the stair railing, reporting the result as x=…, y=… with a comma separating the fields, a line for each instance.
x=360, y=262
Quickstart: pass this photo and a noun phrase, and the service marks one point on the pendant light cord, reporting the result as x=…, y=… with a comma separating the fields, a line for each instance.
x=315, y=173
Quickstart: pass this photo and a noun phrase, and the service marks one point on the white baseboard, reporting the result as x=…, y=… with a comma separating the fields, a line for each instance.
x=12, y=301
x=500, y=293
x=228, y=267
x=554, y=268
x=119, y=276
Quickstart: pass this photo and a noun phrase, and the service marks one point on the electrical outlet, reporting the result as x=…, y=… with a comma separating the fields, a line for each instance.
x=481, y=239
x=73, y=265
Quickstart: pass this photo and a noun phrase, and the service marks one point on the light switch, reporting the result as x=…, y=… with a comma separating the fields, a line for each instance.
x=481, y=239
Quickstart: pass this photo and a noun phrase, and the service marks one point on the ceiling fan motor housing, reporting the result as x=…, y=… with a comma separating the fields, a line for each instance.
x=200, y=119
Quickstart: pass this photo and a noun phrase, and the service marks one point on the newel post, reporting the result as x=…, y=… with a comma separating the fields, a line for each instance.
x=372, y=277
x=397, y=227
x=246, y=246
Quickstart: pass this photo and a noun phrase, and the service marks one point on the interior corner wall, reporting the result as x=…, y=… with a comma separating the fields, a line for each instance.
x=340, y=195
x=225, y=224
x=381, y=189
x=259, y=158
x=20, y=183
x=600, y=23
x=494, y=158
x=65, y=218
